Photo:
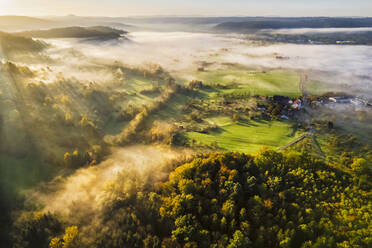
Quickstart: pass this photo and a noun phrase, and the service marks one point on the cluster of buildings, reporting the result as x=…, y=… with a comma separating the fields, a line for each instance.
x=289, y=106
x=296, y=104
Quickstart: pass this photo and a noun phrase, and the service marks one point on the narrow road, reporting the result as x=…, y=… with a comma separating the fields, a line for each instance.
x=295, y=141
x=302, y=85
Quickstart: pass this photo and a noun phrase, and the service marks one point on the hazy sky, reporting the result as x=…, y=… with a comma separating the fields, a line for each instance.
x=187, y=7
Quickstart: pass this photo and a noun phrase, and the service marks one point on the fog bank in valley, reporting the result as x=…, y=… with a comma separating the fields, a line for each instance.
x=83, y=194
x=348, y=67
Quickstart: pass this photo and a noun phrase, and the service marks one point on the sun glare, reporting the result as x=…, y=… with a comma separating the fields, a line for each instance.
x=5, y=6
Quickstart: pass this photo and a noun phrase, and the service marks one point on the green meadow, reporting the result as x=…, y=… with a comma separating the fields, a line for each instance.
x=275, y=82
x=317, y=88
x=246, y=136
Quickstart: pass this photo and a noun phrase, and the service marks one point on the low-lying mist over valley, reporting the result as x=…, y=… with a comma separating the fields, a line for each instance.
x=340, y=65
x=185, y=132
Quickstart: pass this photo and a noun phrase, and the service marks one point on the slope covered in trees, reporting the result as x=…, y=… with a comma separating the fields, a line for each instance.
x=226, y=200
x=272, y=200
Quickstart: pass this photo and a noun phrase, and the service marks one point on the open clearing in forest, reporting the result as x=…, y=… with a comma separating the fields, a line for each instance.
x=247, y=136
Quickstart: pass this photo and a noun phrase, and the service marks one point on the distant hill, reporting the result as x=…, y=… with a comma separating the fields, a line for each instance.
x=196, y=24
x=98, y=32
x=304, y=22
x=25, y=23
x=18, y=23
x=10, y=44
x=118, y=25
x=72, y=20
x=336, y=38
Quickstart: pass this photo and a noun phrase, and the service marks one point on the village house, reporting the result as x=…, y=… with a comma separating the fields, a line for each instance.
x=339, y=99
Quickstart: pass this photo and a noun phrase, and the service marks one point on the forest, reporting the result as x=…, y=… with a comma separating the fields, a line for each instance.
x=223, y=200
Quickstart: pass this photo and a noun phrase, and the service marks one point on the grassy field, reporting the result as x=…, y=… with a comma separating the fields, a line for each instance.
x=275, y=82
x=317, y=88
x=247, y=136
x=173, y=109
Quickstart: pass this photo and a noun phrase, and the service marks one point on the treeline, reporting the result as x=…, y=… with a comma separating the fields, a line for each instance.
x=339, y=38
x=101, y=32
x=294, y=22
x=135, y=130
x=224, y=200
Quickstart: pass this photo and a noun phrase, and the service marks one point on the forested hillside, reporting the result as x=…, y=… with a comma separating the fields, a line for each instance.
x=224, y=200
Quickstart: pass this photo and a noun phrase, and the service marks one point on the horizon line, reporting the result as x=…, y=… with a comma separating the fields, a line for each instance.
x=185, y=16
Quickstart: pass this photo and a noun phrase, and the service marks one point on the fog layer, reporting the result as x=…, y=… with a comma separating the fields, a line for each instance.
x=82, y=194
x=348, y=67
